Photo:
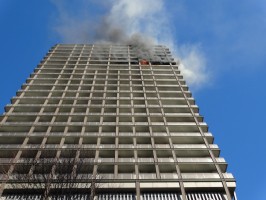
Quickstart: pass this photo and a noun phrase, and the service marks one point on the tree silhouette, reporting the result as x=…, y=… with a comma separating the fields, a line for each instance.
x=55, y=178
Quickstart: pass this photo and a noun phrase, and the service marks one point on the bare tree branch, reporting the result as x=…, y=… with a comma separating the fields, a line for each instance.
x=58, y=178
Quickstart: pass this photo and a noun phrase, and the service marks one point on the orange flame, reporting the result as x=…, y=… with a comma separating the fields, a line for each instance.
x=144, y=62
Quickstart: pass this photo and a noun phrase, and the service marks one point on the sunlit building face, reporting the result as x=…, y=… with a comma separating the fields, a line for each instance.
x=125, y=113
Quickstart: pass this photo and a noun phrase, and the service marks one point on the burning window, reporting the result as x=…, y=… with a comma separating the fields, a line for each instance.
x=144, y=62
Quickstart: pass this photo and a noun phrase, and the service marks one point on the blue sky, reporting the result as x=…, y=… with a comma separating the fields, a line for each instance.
x=223, y=40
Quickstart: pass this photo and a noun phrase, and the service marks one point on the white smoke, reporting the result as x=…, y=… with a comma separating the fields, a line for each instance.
x=142, y=22
x=193, y=65
x=137, y=16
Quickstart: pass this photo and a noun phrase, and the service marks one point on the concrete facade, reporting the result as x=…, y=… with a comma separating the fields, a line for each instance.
x=126, y=109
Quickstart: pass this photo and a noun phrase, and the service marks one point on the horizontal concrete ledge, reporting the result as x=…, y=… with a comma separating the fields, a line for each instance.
x=159, y=185
x=208, y=184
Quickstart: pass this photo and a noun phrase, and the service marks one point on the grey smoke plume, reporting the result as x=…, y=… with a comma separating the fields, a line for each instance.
x=138, y=22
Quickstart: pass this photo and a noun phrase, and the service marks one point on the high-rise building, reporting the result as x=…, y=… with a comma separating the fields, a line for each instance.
x=126, y=112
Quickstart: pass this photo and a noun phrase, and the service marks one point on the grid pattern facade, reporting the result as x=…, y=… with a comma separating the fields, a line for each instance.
x=137, y=123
